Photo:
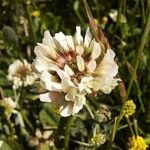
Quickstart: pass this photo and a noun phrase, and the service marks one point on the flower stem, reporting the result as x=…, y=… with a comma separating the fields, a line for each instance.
x=63, y=133
x=31, y=25
x=89, y=110
x=76, y=9
x=119, y=13
x=143, y=11
x=83, y=144
x=114, y=130
x=130, y=126
x=135, y=127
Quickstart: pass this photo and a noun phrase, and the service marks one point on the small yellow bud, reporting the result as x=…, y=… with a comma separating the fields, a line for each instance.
x=137, y=143
x=98, y=139
x=129, y=108
x=96, y=21
x=105, y=20
x=35, y=13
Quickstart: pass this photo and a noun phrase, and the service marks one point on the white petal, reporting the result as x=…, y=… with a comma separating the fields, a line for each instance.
x=80, y=63
x=78, y=37
x=88, y=38
x=45, y=52
x=106, y=71
x=55, y=97
x=66, y=111
x=78, y=104
x=86, y=79
x=79, y=50
x=81, y=87
x=47, y=38
x=62, y=74
x=108, y=66
x=59, y=48
x=109, y=56
x=85, y=84
x=106, y=85
x=47, y=77
x=49, y=43
x=66, y=82
x=96, y=51
x=70, y=96
x=68, y=70
x=61, y=38
x=70, y=42
x=40, y=65
x=50, y=82
x=66, y=85
x=45, y=97
x=91, y=66
x=47, y=35
x=53, y=86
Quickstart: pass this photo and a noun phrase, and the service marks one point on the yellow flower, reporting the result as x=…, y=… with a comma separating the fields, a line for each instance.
x=129, y=108
x=137, y=143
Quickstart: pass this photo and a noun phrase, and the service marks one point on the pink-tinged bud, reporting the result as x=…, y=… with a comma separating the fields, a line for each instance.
x=60, y=61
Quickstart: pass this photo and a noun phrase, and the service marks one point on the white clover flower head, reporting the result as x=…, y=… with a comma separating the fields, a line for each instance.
x=103, y=114
x=71, y=67
x=9, y=102
x=98, y=139
x=9, y=105
x=20, y=74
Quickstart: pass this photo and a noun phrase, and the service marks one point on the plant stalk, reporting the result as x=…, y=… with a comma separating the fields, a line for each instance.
x=63, y=133
x=130, y=126
x=31, y=25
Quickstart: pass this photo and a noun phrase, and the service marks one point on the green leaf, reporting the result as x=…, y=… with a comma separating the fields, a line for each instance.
x=3, y=81
x=10, y=36
x=46, y=118
x=44, y=146
x=11, y=145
